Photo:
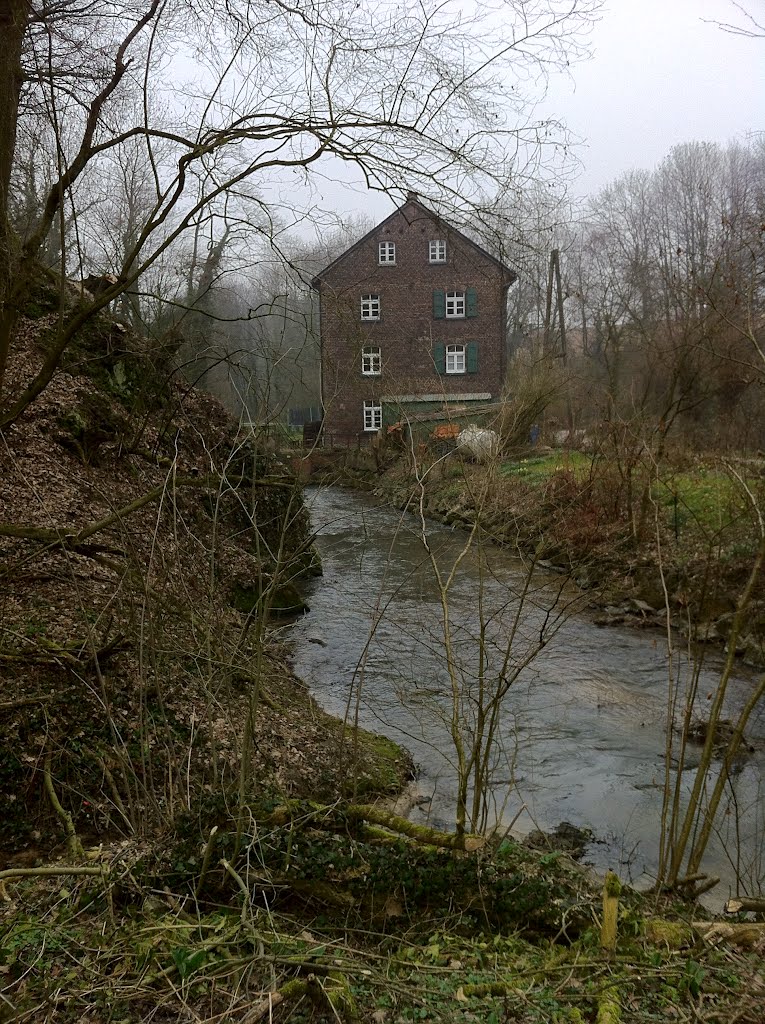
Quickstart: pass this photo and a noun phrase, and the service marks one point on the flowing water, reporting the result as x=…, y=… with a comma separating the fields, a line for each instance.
x=582, y=731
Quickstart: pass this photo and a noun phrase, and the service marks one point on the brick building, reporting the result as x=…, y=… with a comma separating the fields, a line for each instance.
x=413, y=321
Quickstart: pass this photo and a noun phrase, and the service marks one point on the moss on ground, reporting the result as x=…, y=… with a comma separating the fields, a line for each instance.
x=384, y=763
x=72, y=950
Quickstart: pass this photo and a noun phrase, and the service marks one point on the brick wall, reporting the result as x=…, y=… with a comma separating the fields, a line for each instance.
x=407, y=333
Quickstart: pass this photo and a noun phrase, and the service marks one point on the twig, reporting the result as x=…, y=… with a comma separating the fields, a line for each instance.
x=705, y=887
x=73, y=843
x=235, y=875
x=209, y=848
x=259, y=1012
x=71, y=538
x=23, y=702
x=45, y=873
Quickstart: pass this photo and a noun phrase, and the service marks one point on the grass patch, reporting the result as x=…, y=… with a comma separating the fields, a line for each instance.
x=706, y=498
x=538, y=468
x=384, y=764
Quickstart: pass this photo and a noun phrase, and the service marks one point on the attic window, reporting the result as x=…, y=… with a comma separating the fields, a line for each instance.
x=370, y=307
x=386, y=253
x=437, y=251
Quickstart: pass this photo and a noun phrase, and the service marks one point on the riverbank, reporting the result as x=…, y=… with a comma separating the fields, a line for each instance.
x=681, y=543
x=148, y=548
x=319, y=921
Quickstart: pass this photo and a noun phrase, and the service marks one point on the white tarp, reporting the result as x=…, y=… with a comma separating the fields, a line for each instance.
x=481, y=443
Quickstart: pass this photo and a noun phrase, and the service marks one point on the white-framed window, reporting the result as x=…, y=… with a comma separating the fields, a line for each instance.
x=455, y=304
x=370, y=307
x=372, y=416
x=455, y=359
x=437, y=251
x=386, y=253
x=371, y=361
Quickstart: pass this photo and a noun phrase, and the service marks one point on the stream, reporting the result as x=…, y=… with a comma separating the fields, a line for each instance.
x=581, y=736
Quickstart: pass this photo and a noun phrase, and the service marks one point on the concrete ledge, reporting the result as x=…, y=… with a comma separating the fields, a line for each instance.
x=480, y=396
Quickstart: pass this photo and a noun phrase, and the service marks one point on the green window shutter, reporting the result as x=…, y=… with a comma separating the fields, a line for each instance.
x=439, y=304
x=471, y=302
x=472, y=357
x=439, y=357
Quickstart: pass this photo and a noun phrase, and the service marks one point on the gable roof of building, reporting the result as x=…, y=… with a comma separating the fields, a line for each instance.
x=412, y=200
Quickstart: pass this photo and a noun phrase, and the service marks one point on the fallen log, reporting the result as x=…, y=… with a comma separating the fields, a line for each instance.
x=419, y=833
x=744, y=936
x=331, y=993
x=48, y=872
x=384, y=819
x=745, y=903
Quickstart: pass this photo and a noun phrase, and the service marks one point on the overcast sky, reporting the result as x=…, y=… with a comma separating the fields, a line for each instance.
x=659, y=75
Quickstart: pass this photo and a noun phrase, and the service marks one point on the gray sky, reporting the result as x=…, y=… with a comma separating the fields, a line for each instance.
x=660, y=75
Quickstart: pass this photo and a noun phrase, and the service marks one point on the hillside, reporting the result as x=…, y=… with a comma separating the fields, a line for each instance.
x=144, y=544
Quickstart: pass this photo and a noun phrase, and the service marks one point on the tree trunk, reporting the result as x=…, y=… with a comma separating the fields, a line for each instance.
x=13, y=22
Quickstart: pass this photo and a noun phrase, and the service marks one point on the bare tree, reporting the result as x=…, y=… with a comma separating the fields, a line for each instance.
x=665, y=259
x=420, y=100
x=749, y=26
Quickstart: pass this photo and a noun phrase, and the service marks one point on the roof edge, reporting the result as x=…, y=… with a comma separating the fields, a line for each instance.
x=413, y=199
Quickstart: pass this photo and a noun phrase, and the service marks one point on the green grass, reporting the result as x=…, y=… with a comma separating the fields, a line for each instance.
x=386, y=761
x=537, y=468
x=707, y=498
